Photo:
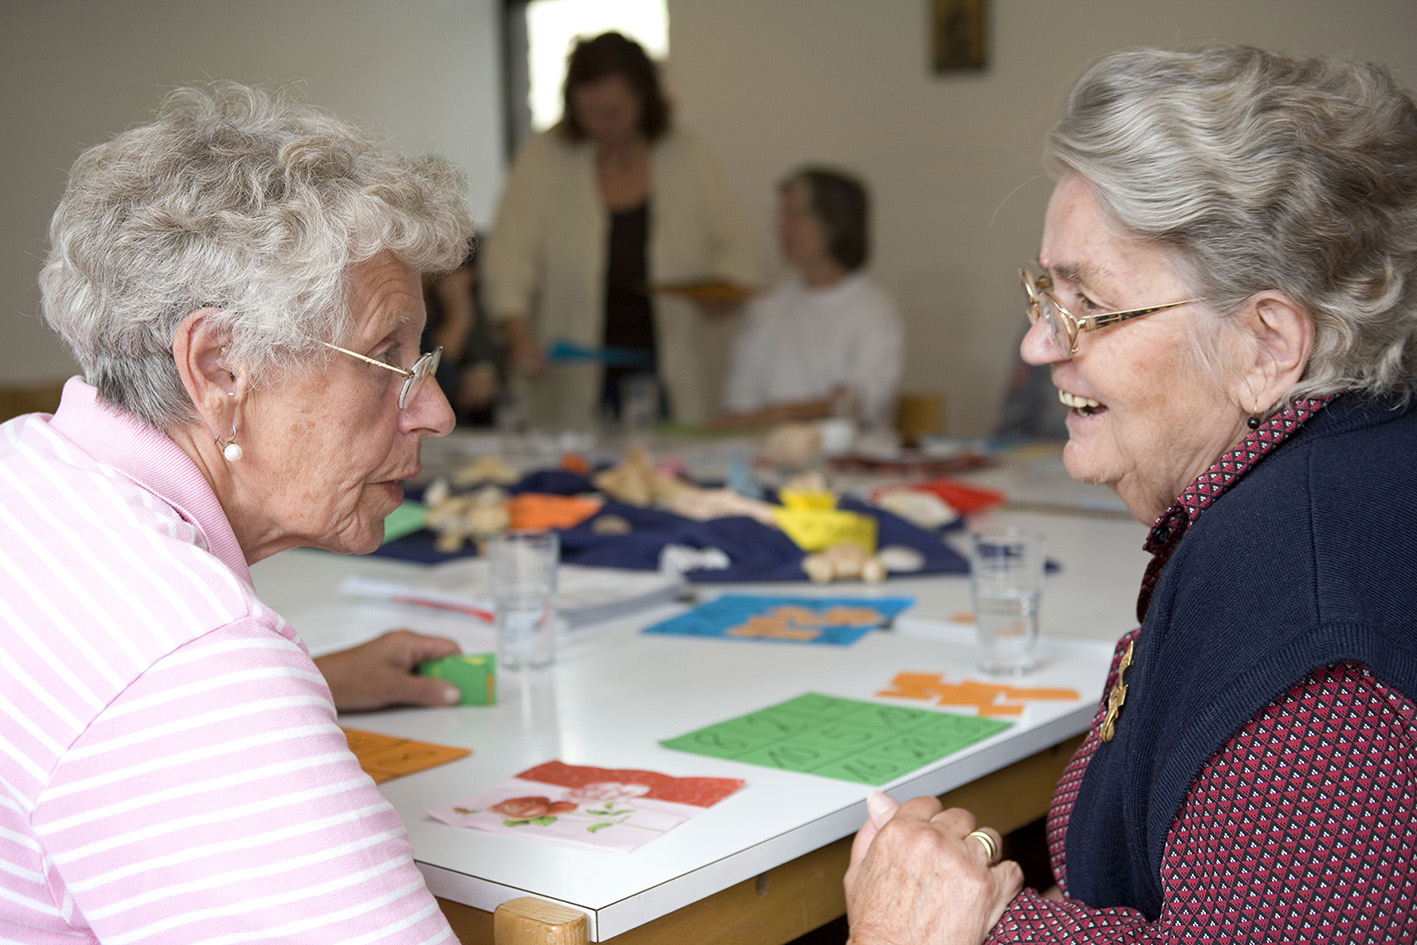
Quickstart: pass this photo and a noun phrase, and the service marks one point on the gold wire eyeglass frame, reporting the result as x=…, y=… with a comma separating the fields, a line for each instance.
x=1064, y=327
x=424, y=366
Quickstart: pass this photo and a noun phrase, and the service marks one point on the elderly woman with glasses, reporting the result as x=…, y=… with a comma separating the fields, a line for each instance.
x=240, y=280
x=1228, y=303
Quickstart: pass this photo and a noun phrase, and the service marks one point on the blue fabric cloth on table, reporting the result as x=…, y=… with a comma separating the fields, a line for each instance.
x=755, y=551
x=553, y=482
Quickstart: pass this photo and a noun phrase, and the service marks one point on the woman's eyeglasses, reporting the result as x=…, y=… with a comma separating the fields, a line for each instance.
x=412, y=377
x=1063, y=327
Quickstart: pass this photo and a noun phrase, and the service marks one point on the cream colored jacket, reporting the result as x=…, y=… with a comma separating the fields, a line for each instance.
x=546, y=259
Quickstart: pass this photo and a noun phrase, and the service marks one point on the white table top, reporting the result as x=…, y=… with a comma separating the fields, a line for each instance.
x=614, y=693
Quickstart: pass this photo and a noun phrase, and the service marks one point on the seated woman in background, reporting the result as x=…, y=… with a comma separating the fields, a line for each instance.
x=826, y=341
x=1227, y=301
x=240, y=281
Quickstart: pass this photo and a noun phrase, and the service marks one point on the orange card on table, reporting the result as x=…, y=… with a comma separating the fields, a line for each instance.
x=541, y=510
x=986, y=698
x=384, y=757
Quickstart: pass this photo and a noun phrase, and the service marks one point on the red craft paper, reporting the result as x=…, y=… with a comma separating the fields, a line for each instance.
x=964, y=499
x=699, y=792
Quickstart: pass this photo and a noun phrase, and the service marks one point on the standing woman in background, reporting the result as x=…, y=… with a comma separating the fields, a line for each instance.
x=611, y=200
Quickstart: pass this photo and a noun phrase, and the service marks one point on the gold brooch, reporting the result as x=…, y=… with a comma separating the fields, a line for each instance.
x=1117, y=696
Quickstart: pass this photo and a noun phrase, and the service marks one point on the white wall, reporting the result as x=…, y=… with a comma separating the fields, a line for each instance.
x=75, y=72
x=952, y=159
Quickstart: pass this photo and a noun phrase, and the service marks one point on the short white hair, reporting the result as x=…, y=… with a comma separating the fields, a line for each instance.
x=1264, y=173
x=240, y=200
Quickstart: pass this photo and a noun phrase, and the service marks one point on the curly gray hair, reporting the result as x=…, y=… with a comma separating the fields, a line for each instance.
x=1265, y=173
x=242, y=200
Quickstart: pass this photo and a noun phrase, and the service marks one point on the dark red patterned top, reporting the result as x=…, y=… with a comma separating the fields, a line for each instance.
x=1299, y=829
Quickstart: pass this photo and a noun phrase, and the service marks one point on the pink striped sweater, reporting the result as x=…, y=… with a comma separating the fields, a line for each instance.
x=170, y=766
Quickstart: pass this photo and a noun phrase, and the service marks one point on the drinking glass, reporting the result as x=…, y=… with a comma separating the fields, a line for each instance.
x=1006, y=577
x=522, y=565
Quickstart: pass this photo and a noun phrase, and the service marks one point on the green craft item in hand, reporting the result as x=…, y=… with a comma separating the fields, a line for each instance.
x=475, y=675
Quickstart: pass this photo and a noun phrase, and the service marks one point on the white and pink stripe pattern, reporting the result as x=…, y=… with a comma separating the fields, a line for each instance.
x=170, y=766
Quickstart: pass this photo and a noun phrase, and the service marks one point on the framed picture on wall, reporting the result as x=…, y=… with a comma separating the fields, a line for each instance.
x=959, y=37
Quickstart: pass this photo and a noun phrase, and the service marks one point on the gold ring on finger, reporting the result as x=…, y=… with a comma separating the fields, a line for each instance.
x=990, y=845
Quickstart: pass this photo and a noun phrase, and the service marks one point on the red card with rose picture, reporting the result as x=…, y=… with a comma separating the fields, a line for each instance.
x=616, y=809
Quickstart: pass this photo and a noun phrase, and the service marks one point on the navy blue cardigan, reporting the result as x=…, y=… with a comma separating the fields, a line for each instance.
x=1308, y=560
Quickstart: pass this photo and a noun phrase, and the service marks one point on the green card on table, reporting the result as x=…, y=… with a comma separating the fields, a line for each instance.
x=839, y=738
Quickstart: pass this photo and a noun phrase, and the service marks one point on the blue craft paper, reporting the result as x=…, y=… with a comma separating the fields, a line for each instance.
x=562, y=351
x=717, y=617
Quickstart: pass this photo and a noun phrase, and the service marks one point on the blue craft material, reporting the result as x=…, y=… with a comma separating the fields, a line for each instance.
x=562, y=351
x=717, y=617
x=742, y=481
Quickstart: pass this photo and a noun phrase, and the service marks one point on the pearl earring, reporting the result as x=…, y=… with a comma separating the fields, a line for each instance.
x=231, y=450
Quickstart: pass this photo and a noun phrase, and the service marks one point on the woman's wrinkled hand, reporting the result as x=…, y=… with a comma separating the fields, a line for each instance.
x=381, y=672
x=917, y=878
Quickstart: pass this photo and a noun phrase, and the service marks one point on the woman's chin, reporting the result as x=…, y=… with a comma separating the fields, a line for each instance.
x=346, y=544
x=359, y=536
x=366, y=534
x=370, y=544
x=1080, y=459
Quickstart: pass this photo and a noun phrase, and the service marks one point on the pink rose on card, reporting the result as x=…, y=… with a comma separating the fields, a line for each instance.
x=530, y=808
x=616, y=809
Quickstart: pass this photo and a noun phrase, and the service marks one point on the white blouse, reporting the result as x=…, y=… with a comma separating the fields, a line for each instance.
x=799, y=343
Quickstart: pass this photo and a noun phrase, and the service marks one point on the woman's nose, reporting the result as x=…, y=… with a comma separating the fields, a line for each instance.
x=1037, y=346
x=429, y=413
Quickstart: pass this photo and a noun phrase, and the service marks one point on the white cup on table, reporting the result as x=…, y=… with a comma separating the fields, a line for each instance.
x=522, y=568
x=1006, y=577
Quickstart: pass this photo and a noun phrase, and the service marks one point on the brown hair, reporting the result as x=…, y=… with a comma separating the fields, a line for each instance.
x=613, y=54
x=839, y=201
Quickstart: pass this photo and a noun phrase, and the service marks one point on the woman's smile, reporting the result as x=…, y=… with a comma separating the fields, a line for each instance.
x=1083, y=405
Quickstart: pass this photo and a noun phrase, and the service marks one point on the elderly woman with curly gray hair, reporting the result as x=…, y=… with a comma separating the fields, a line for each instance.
x=240, y=282
x=1227, y=299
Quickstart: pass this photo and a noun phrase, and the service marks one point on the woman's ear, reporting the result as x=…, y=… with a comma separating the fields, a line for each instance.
x=1281, y=336
x=213, y=385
